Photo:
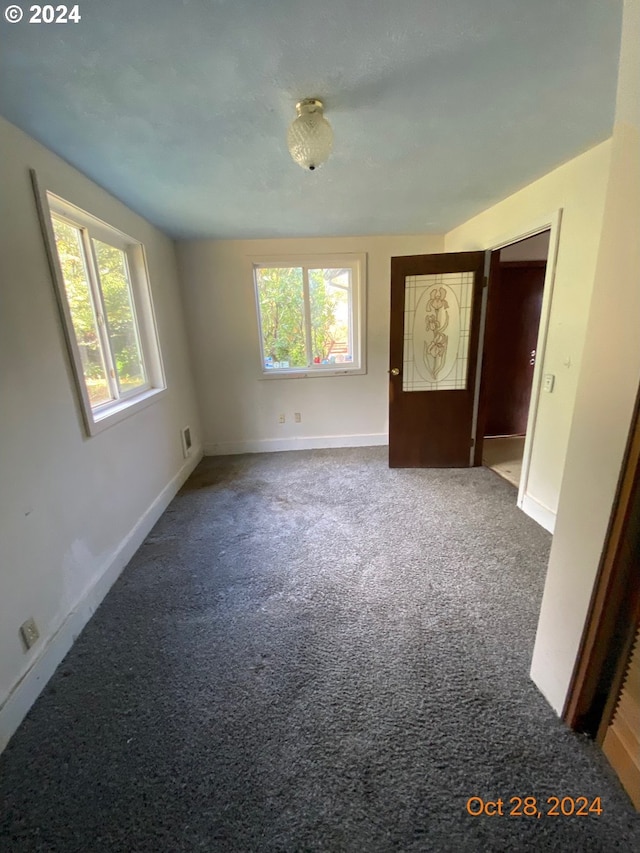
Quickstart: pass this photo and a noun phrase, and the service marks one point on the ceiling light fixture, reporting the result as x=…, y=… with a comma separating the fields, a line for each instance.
x=310, y=137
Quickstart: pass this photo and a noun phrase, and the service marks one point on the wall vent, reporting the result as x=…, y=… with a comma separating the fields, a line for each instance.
x=185, y=434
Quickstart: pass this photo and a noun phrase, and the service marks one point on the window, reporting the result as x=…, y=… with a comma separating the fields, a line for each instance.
x=105, y=302
x=310, y=313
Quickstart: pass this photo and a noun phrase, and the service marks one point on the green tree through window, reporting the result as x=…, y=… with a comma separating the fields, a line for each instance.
x=116, y=294
x=281, y=297
x=104, y=318
x=82, y=309
x=305, y=316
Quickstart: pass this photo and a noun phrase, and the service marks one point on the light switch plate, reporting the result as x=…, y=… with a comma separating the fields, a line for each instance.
x=549, y=380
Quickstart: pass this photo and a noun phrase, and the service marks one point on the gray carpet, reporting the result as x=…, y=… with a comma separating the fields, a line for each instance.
x=311, y=652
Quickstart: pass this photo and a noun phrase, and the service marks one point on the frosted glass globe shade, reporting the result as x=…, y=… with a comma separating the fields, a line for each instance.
x=310, y=136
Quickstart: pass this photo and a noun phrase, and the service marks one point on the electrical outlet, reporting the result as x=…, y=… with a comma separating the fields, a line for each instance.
x=297, y=417
x=281, y=419
x=29, y=632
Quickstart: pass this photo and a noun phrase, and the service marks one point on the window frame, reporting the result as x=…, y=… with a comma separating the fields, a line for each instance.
x=100, y=417
x=357, y=263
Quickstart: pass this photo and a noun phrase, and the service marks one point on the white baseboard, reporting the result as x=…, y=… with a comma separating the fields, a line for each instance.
x=538, y=512
x=316, y=442
x=26, y=691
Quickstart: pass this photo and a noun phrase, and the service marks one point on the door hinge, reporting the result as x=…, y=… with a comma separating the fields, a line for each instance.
x=473, y=442
x=485, y=282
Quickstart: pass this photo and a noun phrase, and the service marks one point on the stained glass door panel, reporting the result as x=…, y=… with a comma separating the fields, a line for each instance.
x=437, y=322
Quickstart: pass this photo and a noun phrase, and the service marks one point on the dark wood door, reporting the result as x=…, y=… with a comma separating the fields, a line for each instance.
x=435, y=321
x=513, y=318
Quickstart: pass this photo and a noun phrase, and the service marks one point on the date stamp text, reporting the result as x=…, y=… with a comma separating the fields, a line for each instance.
x=533, y=807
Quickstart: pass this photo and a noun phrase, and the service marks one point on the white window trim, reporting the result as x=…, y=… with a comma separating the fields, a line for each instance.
x=357, y=262
x=101, y=417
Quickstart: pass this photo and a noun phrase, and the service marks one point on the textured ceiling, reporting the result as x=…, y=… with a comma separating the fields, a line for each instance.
x=439, y=107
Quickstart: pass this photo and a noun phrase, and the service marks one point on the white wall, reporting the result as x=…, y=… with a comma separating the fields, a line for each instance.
x=578, y=187
x=240, y=409
x=605, y=397
x=72, y=509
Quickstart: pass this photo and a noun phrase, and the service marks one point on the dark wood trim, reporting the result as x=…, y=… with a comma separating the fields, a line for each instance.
x=405, y=265
x=538, y=264
x=615, y=606
x=629, y=632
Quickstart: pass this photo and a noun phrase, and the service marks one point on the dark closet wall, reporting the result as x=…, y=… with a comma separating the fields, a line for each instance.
x=513, y=320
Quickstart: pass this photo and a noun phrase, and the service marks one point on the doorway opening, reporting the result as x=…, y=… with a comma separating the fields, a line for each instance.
x=513, y=311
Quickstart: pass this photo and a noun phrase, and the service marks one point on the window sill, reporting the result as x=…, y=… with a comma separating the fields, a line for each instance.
x=118, y=411
x=313, y=374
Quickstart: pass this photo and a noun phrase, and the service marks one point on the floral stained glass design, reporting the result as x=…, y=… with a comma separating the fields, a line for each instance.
x=437, y=320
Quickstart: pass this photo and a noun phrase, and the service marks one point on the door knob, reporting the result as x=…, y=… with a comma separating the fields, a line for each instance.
x=394, y=371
